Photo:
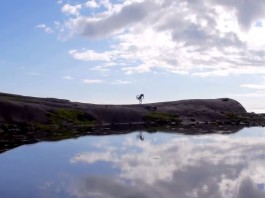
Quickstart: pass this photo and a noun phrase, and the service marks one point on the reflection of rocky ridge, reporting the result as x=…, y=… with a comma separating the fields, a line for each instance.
x=186, y=167
x=13, y=139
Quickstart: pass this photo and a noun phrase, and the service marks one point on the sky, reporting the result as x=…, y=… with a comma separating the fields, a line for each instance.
x=109, y=51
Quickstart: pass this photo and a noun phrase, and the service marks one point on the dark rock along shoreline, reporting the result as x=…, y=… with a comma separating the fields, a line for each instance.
x=27, y=120
x=59, y=113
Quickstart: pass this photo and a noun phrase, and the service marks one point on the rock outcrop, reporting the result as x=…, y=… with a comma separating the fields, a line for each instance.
x=51, y=111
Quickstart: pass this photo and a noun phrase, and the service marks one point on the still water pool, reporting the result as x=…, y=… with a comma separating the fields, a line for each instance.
x=138, y=165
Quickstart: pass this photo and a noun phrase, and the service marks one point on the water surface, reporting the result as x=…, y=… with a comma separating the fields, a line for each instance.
x=151, y=165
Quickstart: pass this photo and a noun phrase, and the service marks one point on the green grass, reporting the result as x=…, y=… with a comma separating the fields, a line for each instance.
x=66, y=116
x=161, y=118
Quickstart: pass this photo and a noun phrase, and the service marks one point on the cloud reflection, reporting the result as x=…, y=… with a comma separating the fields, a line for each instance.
x=184, y=166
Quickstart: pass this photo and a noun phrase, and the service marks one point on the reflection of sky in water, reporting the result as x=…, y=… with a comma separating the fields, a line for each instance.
x=163, y=165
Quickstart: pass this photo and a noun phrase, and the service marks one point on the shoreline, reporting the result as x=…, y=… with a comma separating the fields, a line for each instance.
x=28, y=120
x=30, y=113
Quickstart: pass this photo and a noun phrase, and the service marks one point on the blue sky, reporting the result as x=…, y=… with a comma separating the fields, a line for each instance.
x=103, y=51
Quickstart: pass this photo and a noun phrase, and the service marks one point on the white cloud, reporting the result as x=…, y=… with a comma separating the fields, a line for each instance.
x=97, y=81
x=92, y=81
x=59, y=27
x=250, y=95
x=45, y=28
x=90, y=55
x=106, y=3
x=113, y=22
x=71, y=9
x=92, y=4
x=254, y=86
x=209, y=38
x=121, y=82
x=227, y=70
x=208, y=165
x=247, y=11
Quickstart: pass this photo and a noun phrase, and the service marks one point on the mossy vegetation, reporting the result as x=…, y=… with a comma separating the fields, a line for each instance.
x=247, y=118
x=161, y=118
x=64, y=119
x=60, y=120
x=65, y=116
x=12, y=98
x=238, y=117
x=232, y=116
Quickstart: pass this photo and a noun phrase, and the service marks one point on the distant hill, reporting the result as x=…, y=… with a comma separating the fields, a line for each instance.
x=22, y=109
